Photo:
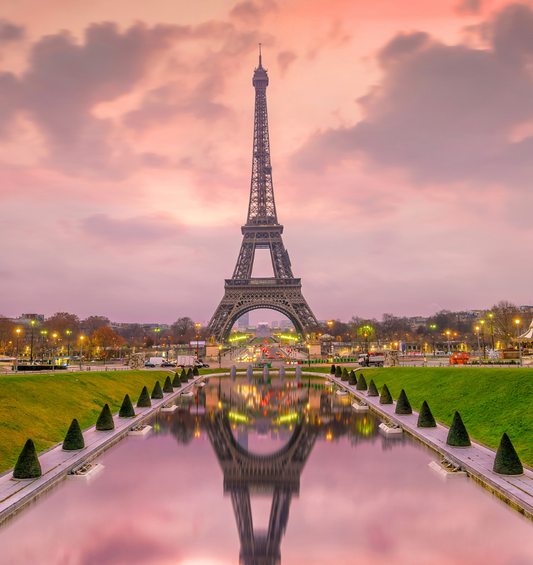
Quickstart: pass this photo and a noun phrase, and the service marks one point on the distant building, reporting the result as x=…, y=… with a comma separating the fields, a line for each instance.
x=26, y=319
x=244, y=320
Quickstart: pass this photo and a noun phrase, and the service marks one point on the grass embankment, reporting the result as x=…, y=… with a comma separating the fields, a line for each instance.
x=41, y=407
x=491, y=401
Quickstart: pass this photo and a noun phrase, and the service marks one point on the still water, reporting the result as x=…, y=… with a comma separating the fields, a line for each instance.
x=264, y=474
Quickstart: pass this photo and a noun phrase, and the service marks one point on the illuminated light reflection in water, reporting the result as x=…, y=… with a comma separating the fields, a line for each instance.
x=336, y=491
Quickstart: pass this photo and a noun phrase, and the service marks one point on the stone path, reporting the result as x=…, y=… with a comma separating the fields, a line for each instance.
x=477, y=460
x=56, y=463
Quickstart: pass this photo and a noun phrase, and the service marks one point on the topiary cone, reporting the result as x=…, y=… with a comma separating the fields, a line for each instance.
x=425, y=418
x=105, y=421
x=507, y=461
x=195, y=372
x=385, y=397
x=183, y=376
x=74, y=438
x=167, y=387
x=332, y=371
x=361, y=383
x=372, y=390
x=27, y=466
x=144, y=400
x=458, y=436
x=403, y=406
x=176, y=382
x=351, y=378
x=190, y=374
x=126, y=410
x=157, y=393
x=344, y=374
x=338, y=371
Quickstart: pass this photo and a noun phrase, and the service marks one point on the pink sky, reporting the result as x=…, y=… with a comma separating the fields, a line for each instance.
x=401, y=135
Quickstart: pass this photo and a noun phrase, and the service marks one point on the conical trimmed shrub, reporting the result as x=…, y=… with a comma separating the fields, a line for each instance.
x=403, y=406
x=425, y=418
x=157, y=393
x=351, y=379
x=361, y=383
x=183, y=376
x=144, y=400
x=333, y=369
x=344, y=375
x=507, y=461
x=338, y=371
x=167, y=387
x=195, y=372
x=372, y=390
x=458, y=436
x=105, y=421
x=126, y=410
x=27, y=466
x=385, y=397
x=190, y=374
x=74, y=438
x=176, y=381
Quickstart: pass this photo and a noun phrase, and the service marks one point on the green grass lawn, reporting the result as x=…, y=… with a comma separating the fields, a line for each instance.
x=41, y=407
x=490, y=400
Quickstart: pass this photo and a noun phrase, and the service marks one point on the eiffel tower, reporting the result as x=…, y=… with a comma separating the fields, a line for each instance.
x=242, y=292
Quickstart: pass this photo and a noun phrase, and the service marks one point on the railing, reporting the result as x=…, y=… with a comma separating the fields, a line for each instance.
x=272, y=281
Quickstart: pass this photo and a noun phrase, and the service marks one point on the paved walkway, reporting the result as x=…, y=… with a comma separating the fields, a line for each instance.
x=56, y=463
x=477, y=460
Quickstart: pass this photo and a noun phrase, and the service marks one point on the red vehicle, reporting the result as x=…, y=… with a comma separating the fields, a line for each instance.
x=459, y=358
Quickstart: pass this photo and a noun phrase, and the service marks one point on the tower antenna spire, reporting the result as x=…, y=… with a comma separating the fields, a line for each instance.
x=260, y=64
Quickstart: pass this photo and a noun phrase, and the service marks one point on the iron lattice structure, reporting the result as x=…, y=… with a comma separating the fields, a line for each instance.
x=246, y=474
x=282, y=292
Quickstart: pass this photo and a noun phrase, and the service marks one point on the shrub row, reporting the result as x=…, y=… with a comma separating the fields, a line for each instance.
x=28, y=466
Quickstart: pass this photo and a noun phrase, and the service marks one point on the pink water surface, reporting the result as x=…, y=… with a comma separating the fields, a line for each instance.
x=362, y=500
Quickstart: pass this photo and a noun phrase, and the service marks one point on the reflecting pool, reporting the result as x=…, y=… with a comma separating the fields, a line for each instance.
x=263, y=474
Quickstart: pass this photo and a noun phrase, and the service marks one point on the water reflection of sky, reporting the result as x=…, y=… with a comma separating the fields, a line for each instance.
x=362, y=499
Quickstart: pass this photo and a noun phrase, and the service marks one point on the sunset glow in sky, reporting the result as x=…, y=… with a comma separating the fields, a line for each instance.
x=401, y=138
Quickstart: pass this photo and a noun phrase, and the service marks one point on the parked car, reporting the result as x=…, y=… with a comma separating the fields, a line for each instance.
x=148, y=364
x=168, y=364
x=200, y=364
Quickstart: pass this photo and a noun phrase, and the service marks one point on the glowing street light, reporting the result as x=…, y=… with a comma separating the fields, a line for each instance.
x=31, y=350
x=433, y=327
x=517, y=322
x=220, y=356
x=308, y=355
x=492, y=329
x=81, y=349
x=197, y=339
x=478, y=345
x=43, y=334
x=449, y=346
x=17, y=361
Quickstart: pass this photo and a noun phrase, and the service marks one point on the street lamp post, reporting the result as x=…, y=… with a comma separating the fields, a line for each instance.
x=449, y=346
x=308, y=355
x=433, y=327
x=17, y=361
x=31, y=349
x=517, y=322
x=197, y=340
x=482, y=322
x=330, y=324
x=156, y=330
x=43, y=334
x=81, y=349
x=491, y=330
x=68, y=332
x=478, y=345
x=54, y=352
x=220, y=356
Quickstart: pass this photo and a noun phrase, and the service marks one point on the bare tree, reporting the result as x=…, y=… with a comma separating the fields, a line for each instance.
x=505, y=314
x=7, y=334
x=93, y=323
